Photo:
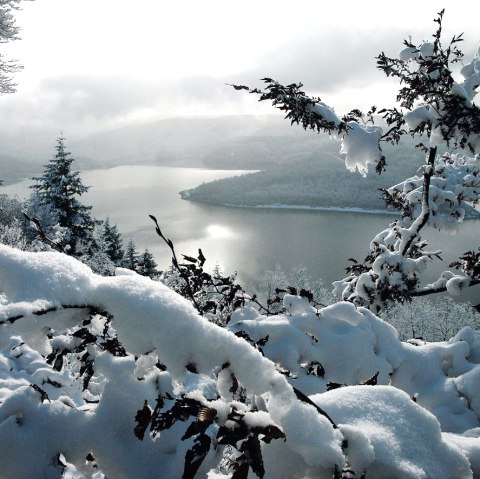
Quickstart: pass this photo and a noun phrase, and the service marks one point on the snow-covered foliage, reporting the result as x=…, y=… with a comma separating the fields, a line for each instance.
x=432, y=105
x=55, y=199
x=429, y=319
x=360, y=142
x=398, y=256
x=120, y=376
x=215, y=296
x=275, y=283
x=12, y=232
x=170, y=351
x=8, y=32
x=454, y=185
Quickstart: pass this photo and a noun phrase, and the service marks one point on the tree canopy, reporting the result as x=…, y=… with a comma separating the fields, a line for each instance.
x=8, y=32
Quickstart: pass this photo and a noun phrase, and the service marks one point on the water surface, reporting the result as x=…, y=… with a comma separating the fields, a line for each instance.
x=248, y=241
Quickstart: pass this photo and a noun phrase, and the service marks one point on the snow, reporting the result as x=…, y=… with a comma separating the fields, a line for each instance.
x=420, y=114
x=388, y=434
x=427, y=49
x=326, y=112
x=147, y=317
x=459, y=90
x=409, y=53
x=360, y=145
x=391, y=436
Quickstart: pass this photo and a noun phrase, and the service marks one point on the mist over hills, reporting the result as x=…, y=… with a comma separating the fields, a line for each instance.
x=298, y=167
x=229, y=142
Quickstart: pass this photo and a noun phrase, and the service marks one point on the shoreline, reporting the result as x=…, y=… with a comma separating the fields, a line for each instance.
x=342, y=209
x=279, y=206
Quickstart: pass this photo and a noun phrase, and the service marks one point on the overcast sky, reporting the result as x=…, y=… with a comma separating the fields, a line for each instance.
x=93, y=64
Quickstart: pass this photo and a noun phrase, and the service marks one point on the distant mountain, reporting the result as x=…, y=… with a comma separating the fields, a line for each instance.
x=229, y=142
x=176, y=141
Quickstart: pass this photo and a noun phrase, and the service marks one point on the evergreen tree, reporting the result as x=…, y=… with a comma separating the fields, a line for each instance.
x=130, y=259
x=8, y=32
x=113, y=242
x=57, y=191
x=148, y=266
x=97, y=256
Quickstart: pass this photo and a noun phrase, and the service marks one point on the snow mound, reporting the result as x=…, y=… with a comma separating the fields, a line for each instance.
x=391, y=436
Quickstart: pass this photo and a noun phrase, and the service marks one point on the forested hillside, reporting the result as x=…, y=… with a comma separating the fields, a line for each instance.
x=315, y=179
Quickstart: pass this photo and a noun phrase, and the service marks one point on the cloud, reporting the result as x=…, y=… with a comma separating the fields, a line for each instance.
x=82, y=104
x=328, y=62
x=79, y=98
x=337, y=65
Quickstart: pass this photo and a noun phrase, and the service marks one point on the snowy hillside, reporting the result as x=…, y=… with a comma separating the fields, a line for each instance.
x=318, y=180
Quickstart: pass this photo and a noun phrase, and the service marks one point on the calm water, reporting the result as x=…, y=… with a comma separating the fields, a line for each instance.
x=244, y=240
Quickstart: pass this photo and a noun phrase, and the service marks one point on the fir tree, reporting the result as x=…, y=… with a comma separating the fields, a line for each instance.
x=57, y=191
x=8, y=32
x=148, y=266
x=130, y=259
x=113, y=242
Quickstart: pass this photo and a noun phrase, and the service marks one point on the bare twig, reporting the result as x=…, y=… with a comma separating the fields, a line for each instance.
x=177, y=265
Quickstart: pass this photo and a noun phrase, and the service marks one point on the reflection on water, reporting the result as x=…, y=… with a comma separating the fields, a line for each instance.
x=216, y=231
x=248, y=241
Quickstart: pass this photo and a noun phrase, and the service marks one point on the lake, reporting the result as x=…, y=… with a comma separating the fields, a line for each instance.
x=245, y=240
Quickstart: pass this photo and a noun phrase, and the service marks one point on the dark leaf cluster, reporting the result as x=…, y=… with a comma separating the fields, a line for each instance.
x=469, y=263
x=59, y=358
x=204, y=430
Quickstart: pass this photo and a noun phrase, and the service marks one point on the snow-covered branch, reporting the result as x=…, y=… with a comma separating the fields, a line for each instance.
x=432, y=104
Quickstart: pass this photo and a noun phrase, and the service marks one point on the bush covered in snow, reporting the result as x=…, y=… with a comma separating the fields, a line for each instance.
x=431, y=319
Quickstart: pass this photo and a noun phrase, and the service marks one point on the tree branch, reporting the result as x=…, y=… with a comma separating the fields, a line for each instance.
x=442, y=289
x=177, y=266
x=38, y=228
x=41, y=312
x=422, y=219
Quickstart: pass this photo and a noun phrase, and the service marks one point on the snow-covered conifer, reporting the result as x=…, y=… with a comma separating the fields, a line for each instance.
x=54, y=202
x=148, y=265
x=130, y=258
x=113, y=242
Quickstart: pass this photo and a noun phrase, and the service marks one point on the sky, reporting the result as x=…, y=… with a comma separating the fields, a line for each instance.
x=90, y=65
